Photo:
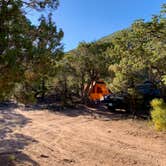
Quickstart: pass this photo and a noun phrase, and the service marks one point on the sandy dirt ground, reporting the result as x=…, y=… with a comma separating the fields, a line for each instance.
x=77, y=138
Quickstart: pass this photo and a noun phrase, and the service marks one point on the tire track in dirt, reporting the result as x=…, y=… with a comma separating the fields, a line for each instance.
x=84, y=141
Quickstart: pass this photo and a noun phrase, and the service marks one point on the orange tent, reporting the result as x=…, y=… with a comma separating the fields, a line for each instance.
x=98, y=90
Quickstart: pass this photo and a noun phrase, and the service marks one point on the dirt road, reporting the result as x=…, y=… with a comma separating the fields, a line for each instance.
x=73, y=138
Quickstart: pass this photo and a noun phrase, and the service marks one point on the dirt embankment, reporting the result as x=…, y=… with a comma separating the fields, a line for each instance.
x=78, y=138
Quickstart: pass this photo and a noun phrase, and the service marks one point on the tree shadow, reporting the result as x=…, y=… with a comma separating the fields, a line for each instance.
x=103, y=113
x=7, y=105
x=10, y=119
x=12, y=143
x=76, y=109
x=11, y=150
x=96, y=111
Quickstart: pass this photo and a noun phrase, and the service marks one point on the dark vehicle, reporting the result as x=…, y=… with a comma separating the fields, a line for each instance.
x=148, y=91
x=117, y=101
x=145, y=93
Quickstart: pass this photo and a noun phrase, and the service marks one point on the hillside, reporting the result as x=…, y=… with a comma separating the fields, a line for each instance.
x=108, y=38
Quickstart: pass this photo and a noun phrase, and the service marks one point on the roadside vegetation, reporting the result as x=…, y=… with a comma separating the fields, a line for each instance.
x=34, y=66
x=159, y=114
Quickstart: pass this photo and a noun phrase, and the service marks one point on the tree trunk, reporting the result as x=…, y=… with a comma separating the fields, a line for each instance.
x=43, y=87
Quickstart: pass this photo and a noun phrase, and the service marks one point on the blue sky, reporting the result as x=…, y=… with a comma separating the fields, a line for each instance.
x=89, y=20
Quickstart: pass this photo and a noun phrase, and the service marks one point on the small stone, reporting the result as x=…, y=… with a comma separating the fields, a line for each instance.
x=44, y=156
x=134, y=162
x=68, y=160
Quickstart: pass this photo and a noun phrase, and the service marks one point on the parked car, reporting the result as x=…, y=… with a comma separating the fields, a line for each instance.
x=145, y=93
x=117, y=101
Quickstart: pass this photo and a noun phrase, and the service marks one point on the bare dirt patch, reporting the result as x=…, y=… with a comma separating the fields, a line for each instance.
x=83, y=137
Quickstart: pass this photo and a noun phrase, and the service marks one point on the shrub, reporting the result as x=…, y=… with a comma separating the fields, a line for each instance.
x=158, y=114
x=24, y=95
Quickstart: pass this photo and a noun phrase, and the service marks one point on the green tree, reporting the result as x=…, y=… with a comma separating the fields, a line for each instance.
x=84, y=65
x=48, y=49
x=139, y=53
x=15, y=45
x=23, y=47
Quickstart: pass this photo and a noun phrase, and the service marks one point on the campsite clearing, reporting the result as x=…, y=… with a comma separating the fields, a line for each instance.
x=78, y=138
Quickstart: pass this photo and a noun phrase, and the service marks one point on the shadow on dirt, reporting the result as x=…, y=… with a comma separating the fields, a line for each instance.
x=76, y=109
x=97, y=111
x=11, y=142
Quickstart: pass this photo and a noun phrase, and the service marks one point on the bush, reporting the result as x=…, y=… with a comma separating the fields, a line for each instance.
x=24, y=95
x=158, y=114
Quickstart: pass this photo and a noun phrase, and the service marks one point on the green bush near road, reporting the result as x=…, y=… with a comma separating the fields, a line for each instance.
x=158, y=114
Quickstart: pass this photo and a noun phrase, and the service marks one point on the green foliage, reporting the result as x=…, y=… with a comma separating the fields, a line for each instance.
x=31, y=57
x=24, y=94
x=84, y=65
x=12, y=157
x=158, y=114
x=27, y=53
x=138, y=53
x=124, y=59
x=43, y=64
x=14, y=44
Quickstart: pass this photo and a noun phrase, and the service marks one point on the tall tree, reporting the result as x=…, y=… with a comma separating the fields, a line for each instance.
x=19, y=41
x=47, y=48
x=15, y=45
x=86, y=64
